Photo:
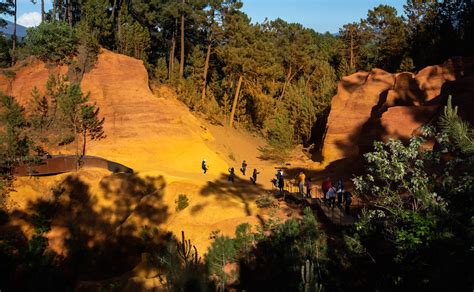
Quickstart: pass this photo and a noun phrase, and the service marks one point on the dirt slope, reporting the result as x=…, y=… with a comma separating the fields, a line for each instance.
x=161, y=141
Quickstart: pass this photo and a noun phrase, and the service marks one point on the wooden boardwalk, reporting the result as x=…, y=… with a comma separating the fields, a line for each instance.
x=67, y=163
x=334, y=214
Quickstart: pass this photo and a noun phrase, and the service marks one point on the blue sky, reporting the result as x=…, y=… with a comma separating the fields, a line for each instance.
x=321, y=15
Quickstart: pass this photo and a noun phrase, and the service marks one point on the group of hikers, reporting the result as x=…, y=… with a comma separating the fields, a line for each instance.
x=231, y=176
x=303, y=182
x=330, y=191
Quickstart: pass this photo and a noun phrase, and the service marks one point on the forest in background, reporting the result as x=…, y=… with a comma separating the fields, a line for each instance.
x=276, y=77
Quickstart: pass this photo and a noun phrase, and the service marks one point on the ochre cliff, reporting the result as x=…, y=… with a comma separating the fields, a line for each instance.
x=378, y=105
x=143, y=131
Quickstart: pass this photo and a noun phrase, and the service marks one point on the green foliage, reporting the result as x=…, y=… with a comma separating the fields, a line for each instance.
x=265, y=201
x=6, y=7
x=87, y=52
x=272, y=257
x=406, y=65
x=161, y=70
x=5, y=58
x=52, y=41
x=421, y=203
x=65, y=112
x=181, y=202
x=95, y=19
x=79, y=116
x=461, y=133
x=244, y=239
x=280, y=133
x=222, y=252
x=14, y=143
x=182, y=266
x=383, y=37
x=132, y=38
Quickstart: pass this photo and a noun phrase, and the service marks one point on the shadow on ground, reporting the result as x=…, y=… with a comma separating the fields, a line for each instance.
x=77, y=236
x=241, y=190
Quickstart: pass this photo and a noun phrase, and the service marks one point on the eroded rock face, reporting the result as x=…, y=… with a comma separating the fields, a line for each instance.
x=144, y=131
x=378, y=105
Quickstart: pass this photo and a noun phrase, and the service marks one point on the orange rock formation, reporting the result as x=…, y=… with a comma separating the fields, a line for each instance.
x=380, y=105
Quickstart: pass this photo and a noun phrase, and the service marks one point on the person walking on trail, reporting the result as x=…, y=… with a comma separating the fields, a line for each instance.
x=231, y=174
x=331, y=195
x=278, y=176
x=340, y=191
x=301, y=181
x=309, y=185
x=254, y=176
x=244, y=167
x=204, y=166
x=347, y=202
x=326, y=185
x=281, y=184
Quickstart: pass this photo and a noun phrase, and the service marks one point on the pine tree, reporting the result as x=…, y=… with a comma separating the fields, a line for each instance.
x=384, y=38
x=79, y=116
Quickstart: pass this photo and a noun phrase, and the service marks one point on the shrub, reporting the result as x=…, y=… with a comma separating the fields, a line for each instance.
x=182, y=202
x=265, y=201
x=280, y=136
x=222, y=252
x=52, y=41
x=5, y=59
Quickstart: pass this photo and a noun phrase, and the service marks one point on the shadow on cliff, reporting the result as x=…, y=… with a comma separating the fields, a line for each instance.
x=405, y=92
x=57, y=243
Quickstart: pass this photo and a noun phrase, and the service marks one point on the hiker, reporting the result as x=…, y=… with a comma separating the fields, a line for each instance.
x=254, y=176
x=301, y=181
x=331, y=195
x=231, y=174
x=347, y=202
x=244, y=167
x=281, y=183
x=340, y=191
x=308, y=187
x=278, y=175
x=326, y=185
x=204, y=166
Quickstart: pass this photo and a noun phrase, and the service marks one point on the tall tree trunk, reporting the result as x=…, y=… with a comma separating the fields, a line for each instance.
x=206, y=68
x=352, y=52
x=114, y=6
x=172, y=50
x=287, y=79
x=42, y=10
x=14, y=34
x=62, y=13
x=69, y=12
x=181, y=59
x=84, y=138
x=234, y=104
x=54, y=9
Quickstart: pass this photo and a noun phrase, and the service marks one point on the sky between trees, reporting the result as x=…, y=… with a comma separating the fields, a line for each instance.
x=320, y=15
